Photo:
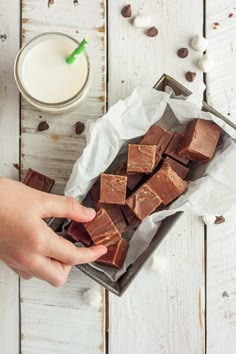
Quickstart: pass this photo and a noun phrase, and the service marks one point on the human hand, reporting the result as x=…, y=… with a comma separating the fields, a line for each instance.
x=27, y=245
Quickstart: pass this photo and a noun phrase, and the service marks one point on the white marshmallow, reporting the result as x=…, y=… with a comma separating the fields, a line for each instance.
x=199, y=43
x=209, y=219
x=157, y=263
x=206, y=64
x=142, y=21
x=92, y=297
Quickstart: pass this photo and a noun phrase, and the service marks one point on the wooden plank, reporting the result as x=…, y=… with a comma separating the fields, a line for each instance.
x=53, y=152
x=57, y=321
x=9, y=310
x=162, y=312
x=221, y=288
x=9, y=110
x=221, y=248
x=222, y=46
x=9, y=155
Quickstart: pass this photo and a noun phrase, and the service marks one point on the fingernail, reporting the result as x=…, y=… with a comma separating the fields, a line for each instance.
x=91, y=212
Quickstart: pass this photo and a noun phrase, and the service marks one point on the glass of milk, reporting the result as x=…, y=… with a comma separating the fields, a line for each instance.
x=45, y=79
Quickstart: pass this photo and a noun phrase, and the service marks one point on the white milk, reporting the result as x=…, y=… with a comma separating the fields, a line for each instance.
x=45, y=74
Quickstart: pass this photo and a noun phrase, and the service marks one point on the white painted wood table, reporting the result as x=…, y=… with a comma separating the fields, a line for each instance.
x=186, y=307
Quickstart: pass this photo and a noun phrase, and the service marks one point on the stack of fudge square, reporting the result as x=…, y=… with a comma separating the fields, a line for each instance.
x=152, y=177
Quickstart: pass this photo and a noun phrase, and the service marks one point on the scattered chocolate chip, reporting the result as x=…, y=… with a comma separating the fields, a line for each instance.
x=43, y=126
x=152, y=32
x=182, y=52
x=225, y=294
x=126, y=11
x=190, y=76
x=79, y=127
x=122, y=81
x=3, y=37
x=216, y=24
x=16, y=165
x=231, y=15
x=50, y=2
x=219, y=220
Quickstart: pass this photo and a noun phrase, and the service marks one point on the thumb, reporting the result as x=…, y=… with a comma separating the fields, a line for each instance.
x=66, y=207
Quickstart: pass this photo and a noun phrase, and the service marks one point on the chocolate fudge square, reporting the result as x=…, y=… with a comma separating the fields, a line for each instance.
x=167, y=184
x=102, y=230
x=200, y=140
x=117, y=217
x=112, y=189
x=180, y=169
x=141, y=158
x=115, y=256
x=129, y=215
x=38, y=181
x=95, y=194
x=172, y=149
x=144, y=201
x=158, y=136
x=132, y=180
x=78, y=232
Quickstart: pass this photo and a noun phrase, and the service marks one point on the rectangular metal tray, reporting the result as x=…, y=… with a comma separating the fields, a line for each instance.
x=118, y=287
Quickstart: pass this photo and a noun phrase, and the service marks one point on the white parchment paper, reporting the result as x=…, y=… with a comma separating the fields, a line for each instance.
x=213, y=189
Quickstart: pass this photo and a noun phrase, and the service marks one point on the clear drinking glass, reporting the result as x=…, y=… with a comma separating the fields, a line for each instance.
x=40, y=81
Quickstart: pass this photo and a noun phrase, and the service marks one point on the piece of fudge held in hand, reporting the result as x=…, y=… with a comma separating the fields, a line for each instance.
x=180, y=169
x=172, y=149
x=200, y=140
x=112, y=189
x=38, y=181
x=144, y=201
x=132, y=180
x=158, y=136
x=78, y=232
x=167, y=184
x=102, y=230
x=141, y=158
x=115, y=256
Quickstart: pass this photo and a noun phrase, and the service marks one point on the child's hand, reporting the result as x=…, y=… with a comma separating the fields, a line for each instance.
x=28, y=245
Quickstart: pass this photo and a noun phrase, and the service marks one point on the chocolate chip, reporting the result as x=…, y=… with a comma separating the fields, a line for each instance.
x=231, y=15
x=43, y=126
x=79, y=127
x=219, y=219
x=190, y=76
x=152, y=32
x=182, y=52
x=126, y=11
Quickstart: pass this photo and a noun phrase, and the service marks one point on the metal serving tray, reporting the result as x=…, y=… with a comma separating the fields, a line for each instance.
x=118, y=287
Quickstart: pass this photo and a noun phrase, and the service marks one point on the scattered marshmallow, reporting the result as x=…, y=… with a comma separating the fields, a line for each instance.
x=142, y=21
x=157, y=263
x=92, y=297
x=209, y=219
x=206, y=64
x=199, y=43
